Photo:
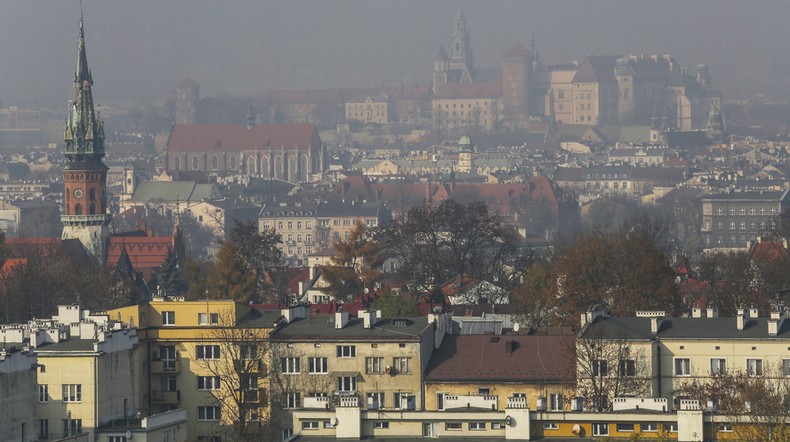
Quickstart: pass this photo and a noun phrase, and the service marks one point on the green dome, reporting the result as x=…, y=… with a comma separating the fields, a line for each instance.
x=465, y=143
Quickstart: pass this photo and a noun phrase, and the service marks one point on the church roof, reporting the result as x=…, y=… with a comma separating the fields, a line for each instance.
x=517, y=50
x=146, y=253
x=442, y=55
x=237, y=137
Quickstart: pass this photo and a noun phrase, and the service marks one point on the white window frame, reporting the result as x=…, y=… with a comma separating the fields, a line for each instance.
x=209, y=352
x=375, y=400
x=725, y=427
x=346, y=383
x=402, y=364
x=600, y=429
x=168, y=318
x=291, y=365
x=207, y=383
x=374, y=365
x=453, y=426
x=477, y=426
x=381, y=425
x=551, y=426
x=625, y=428
x=317, y=365
x=718, y=366
x=72, y=392
x=207, y=413
x=650, y=427
x=346, y=351
x=684, y=369
x=208, y=318
x=309, y=425
x=754, y=367
x=555, y=402
x=43, y=393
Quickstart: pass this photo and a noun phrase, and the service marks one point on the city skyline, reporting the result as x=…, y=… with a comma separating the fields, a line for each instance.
x=144, y=49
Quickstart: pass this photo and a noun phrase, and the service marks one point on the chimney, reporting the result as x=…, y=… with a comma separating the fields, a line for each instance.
x=696, y=312
x=712, y=312
x=510, y=346
x=741, y=319
x=775, y=323
x=341, y=319
x=368, y=318
x=655, y=324
x=754, y=313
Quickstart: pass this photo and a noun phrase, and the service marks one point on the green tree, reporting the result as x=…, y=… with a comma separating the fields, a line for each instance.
x=356, y=267
x=230, y=277
x=169, y=275
x=258, y=254
x=395, y=305
x=197, y=274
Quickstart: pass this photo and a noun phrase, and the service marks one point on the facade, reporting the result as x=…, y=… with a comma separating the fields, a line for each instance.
x=306, y=229
x=19, y=390
x=370, y=109
x=730, y=220
x=194, y=362
x=84, y=215
x=187, y=98
x=291, y=152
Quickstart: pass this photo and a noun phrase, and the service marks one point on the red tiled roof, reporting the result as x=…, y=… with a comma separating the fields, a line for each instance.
x=768, y=250
x=488, y=89
x=517, y=50
x=236, y=137
x=596, y=69
x=146, y=253
x=485, y=358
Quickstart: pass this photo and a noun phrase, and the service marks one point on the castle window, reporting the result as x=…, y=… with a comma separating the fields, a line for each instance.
x=194, y=163
x=233, y=163
x=78, y=209
x=92, y=194
x=93, y=208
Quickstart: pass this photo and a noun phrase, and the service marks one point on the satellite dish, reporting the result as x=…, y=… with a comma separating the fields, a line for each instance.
x=334, y=421
x=128, y=434
x=516, y=327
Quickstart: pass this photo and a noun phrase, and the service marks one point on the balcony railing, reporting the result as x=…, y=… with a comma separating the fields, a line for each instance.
x=166, y=366
x=452, y=401
x=165, y=397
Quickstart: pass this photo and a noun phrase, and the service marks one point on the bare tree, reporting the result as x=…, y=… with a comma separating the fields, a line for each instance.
x=239, y=379
x=758, y=402
x=607, y=368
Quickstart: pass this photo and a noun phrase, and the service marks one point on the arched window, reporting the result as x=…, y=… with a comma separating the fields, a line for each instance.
x=93, y=209
x=194, y=163
x=78, y=209
x=214, y=163
x=265, y=167
x=92, y=194
x=177, y=163
x=232, y=163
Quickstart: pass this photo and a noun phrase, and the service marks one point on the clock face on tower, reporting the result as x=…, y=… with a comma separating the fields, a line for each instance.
x=78, y=193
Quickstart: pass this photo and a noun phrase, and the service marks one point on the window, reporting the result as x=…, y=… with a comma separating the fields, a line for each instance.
x=718, y=366
x=72, y=393
x=248, y=352
x=477, y=425
x=207, y=351
x=208, y=382
x=497, y=425
x=682, y=367
x=290, y=365
x=600, y=429
x=292, y=400
x=648, y=428
x=374, y=365
x=402, y=365
x=754, y=367
x=309, y=425
x=346, y=383
x=72, y=427
x=208, y=318
x=381, y=425
x=346, y=351
x=43, y=429
x=208, y=413
x=599, y=367
x=317, y=365
x=732, y=211
x=374, y=401
x=725, y=428
x=116, y=439
x=551, y=426
x=555, y=402
x=43, y=393
x=786, y=367
x=452, y=426
x=404, y=401
x=168, y=318
x=671, y=427
x=625, y=428
x=627, y=368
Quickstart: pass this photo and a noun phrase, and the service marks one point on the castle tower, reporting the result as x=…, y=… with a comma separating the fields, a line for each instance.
x=187, y=97
x=715, y=124
x=461, y=50
x=516, y=68
x=84, y=215
x=465, y=152
x=440, y=67
x=625, y=76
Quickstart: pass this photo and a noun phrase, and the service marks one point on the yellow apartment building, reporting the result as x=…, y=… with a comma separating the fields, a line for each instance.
x=208, y=357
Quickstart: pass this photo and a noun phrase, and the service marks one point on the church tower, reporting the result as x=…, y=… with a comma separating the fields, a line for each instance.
x=461, y=50
x=440, y=67
x=84, y=215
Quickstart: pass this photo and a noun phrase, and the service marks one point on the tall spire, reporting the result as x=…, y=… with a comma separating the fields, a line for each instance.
x=84, y=133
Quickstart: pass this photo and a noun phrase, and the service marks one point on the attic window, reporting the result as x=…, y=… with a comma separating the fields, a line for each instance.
x=494, y=339
x=400, y=322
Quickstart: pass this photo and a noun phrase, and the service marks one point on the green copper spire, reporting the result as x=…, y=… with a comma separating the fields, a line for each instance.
x=84, y=134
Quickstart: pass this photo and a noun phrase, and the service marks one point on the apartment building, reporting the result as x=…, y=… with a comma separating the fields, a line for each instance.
x=308, y=228
x=207, y=357
x=344, y=363
x=18, y=388
x=731, y=219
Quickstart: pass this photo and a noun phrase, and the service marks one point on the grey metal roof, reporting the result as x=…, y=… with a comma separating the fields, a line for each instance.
x=323, y=328
x=748, y=195
x=684, y=328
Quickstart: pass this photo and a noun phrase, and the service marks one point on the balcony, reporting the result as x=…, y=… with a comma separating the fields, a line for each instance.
x=168, y=366
x=455, y=402
x=320, y=403
x=165, y=397
x=253, y=397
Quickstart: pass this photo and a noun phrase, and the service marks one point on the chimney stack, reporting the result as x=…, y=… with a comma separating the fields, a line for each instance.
x=712, y=312
x=741, y=319
x=775, y=323
x=696, y=312
x=341, y=319
x=655, y=324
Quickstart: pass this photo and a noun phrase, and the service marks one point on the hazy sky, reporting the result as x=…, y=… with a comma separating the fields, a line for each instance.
x=139, y=50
